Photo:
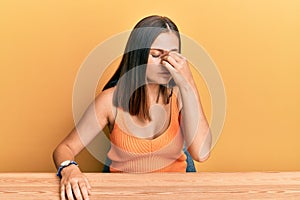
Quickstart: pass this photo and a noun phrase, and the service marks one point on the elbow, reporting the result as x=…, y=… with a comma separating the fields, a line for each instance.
x=201, y=153
x=54, y=156
x=57, y=154
x=200, y=157
x=56, y=151
x=203, y=158
x=204, y=152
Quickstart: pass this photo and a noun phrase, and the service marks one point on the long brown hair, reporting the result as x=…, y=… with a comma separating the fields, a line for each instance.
x=131, y=91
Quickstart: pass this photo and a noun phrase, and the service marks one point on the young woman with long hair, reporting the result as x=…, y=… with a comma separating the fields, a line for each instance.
x=151, y=106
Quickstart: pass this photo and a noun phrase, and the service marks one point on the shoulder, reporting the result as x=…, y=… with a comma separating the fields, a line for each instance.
x=105, y=95
x=104, y=102
x=177, y=94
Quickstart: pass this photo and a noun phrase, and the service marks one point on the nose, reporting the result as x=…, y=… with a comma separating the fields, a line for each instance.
x=164, y=56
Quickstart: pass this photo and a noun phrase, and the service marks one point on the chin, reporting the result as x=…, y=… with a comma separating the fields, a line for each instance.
x=160, y=80
x=164, y=82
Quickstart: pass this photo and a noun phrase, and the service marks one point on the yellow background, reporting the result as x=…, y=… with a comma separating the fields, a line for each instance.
x=255, y=45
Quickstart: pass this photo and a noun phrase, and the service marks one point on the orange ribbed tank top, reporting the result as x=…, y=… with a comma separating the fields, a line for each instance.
x=132, y=154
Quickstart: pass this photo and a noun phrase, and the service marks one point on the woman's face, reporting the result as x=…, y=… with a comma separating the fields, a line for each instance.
x=162, y=45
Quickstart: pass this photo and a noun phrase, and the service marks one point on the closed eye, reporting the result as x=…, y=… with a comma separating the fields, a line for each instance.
x=155, y=55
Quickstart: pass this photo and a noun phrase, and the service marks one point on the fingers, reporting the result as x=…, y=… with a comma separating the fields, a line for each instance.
x=172, y=61
x=177, y=56
x=176, y=60
x=62, y=193
x=75, y=190
x=69, y=192
x=178, y=66
x=169, y=67
x=88, y=185
x=84, y=191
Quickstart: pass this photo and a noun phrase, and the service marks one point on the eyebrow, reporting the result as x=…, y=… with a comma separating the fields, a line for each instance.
x=161, y=50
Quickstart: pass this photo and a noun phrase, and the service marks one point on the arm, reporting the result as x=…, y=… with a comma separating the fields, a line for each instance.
x=194, y=124
x=92, y=122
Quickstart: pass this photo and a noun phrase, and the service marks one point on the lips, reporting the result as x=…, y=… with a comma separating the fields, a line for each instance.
x=165, y=73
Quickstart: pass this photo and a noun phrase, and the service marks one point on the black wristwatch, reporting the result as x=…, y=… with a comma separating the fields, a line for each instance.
x=65, y=164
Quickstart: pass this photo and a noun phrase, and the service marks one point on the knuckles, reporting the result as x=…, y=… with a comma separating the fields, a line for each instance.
x=71, y=180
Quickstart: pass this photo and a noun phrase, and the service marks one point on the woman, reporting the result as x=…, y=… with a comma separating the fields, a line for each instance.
x=151, y=106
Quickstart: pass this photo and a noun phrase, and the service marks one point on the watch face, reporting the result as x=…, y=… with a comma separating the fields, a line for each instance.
x=65, y=163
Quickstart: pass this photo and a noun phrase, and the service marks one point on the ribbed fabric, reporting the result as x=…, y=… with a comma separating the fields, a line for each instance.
x=137, y=155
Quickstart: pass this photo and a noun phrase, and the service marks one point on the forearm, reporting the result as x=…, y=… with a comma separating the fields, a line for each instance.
x=73, y=183
x=194, y=123
x=62, y=153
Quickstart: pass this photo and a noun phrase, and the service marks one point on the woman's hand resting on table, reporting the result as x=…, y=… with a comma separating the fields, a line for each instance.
x=74, y=184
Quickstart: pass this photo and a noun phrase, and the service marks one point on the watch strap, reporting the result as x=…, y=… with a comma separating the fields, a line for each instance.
x=61, y=167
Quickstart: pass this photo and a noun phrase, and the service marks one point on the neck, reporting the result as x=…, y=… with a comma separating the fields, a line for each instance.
x=152, y=90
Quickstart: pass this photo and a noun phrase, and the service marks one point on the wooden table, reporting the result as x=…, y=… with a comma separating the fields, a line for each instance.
x=204, y=185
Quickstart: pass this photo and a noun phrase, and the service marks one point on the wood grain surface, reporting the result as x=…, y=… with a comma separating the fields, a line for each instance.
x=206, y=185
